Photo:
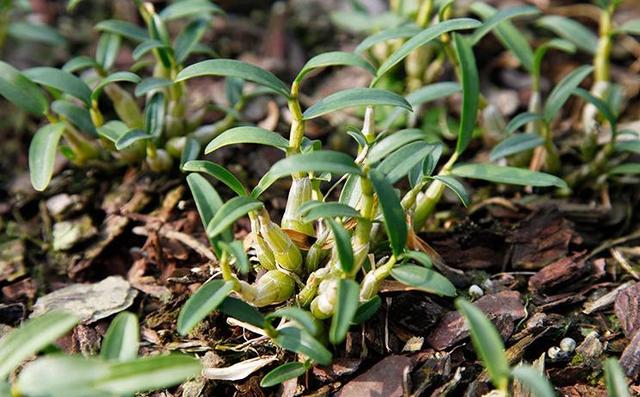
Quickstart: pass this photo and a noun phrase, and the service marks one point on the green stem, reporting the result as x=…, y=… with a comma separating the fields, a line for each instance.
x=552, y=159
x=427, y=203
x=424, y=13
x=371, y=283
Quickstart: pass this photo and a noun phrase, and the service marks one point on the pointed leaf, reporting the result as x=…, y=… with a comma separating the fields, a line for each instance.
x=41, y=33
x=79, y=63
x=366, y=310
x=131, y=137
x=230, y=212
x=122, y=339
x=563, y=90
x=22, y=92
x=60, y=80
x=346, y=307
x=424, y=279
x=601, y=105
x=515, y=144
x=557, y=44
x=420, y=257
x=208, y=203
x=319, y=161
x=191, y=151
x=114, y=78
x=399, y=163
x=145, y=47
x=236, y=249
x=470, y=91
x=614, y=379
x=392, y=212
x=283, y=373
x=630, y=27
x=188, y=38
x=335, y=58
x=401, y=32
x=233, y=68
x=314, y=210
x=304, y=318
x=151, y=84
x=123, y=28
x=501, y=16
x=508, y=175
x=76, y=115
x=342, y=240
x=571, y=31
x=107, y=50
x=204, y=301
x=393, y=142
x=455, y=186
x=355, y=97
x=239, y=310
x=299, y=341
x=42, y=154
x=520, y=120
x=626, y=169
x=189, y=8
x=247, y=134
x=536, y=382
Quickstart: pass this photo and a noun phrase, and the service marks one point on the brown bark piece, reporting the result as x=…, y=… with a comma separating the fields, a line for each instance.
x=630, y=359
x=502, y=308
x=383, y=379
x=563, y=274
x=627, y=308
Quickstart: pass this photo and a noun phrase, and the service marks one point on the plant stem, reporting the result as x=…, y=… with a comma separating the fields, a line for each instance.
x=371, y=283
x=428, y=201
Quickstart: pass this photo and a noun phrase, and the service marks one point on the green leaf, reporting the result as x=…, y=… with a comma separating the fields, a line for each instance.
x=188, y=38
x=563, y=90
x=366, y=310
x=355, y=97
x=508, y=35
x=557, y=44
x=299, y=341
x=60, y=80
x=422, y=38
x=522, y=119
x=233, y=68
x=614, y=379
x=313, y=210
x=499, y=17
x=116, y=77
x=628, y=146
x=393, y=142
x=42, y=154
x=470, y=91
x=626, y=169
x=23, y=30
x=342, y=240
x=399, y=163
x=487, y=343
x=189, y=8
x=76, y=115
x=191, y=151
x=629, y=27
x=419, y=257
x=508, y=175
x=154, y=114
x=515, y=144
x=145, y=47
x=21, y=91
x=123, y=28
x=424, y=279
x=199, y=305
x=423, y=95
x=392, y=212
x=242, y=311
x=304, y=318
x=247, y=134
x=601, y=105
x=107, y=50
x=122, y=339
x=401, y=32
x=230, y=212
x=538, y=385
x=208, y=202
x=346, y=307
x=319, y=161
x=571, y=31
x=131, y=137
x=33, y=336
x=112, y=130
x=283, y=373
x=335, y=58
x=152, y=84
x=455, y=186
x=236, y=249
x=79, y=63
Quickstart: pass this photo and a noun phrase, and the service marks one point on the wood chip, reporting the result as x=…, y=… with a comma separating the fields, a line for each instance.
x=627, y=308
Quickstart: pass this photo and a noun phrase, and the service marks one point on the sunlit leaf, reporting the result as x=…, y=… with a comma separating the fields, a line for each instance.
x=22, y=92
x=343, y=246
x=508, y=175
x=230, y=212
x=571, y=31
x=122, y=339
x=533, y=380
x=470, y=91
x=354, y=97
x=392, y=212
x=424, y=279
x=204, y=301
x=247, y=134
x=42, y=154
x=515, y=144
x=334, y=58
x=283, y=373
x=60, y=80
x=299, y=341
x=563, y=90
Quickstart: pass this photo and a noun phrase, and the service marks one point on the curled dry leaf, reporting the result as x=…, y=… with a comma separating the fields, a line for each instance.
x=238, y=371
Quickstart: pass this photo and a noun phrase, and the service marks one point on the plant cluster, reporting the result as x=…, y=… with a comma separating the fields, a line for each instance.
x=351, y=221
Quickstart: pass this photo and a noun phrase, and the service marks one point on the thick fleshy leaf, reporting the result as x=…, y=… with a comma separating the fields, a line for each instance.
x=629, y=27
x=345, y=310
x=22, y=92
x=342, y=240
x=557, y=44
x=79, y=63
x=335, y=58
x=470, y=91
x=42, y=154
x=522, y=119
x=188, y=38
x=536, y=382
x=151, y=84
x=123, y=28
x=299, y=341
x=319, y=161
x=107, y=50
x=247, y=134
x=508, y=175
x=154, y=114
x=401, y=32
x=399, y=163
x=626, y=169
x=60, y=80
x=499, y=17
x=632, y=146
x=230, y=212
x=122, y=339
x=456, y=186
x=355, y=97
x=313, y=210
x=145, y=47
x=571, y=31
x=33, y=336
x=242, y=311
x=112, y=130
x=419, y=257
x=116, y=77
x=563, y=90
x=189, y=8
x=208, y=202
x=424, y=37
x=304, y=318
x=424, y=279
x=25, y=30
x=393, y=142
x=130, y=137
x=236, y=249
x=233, y=68
x=218, y=172
x=199, y=305
x=76, y=115
x=392, y=212
x=515, y=144
x=508, y=35
x=191, y=151
x=367, y=309
x=615, y=380
x=487, y=343
x=283, y=373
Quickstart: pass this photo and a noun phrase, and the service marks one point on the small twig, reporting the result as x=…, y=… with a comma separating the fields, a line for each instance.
x=624, y=263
